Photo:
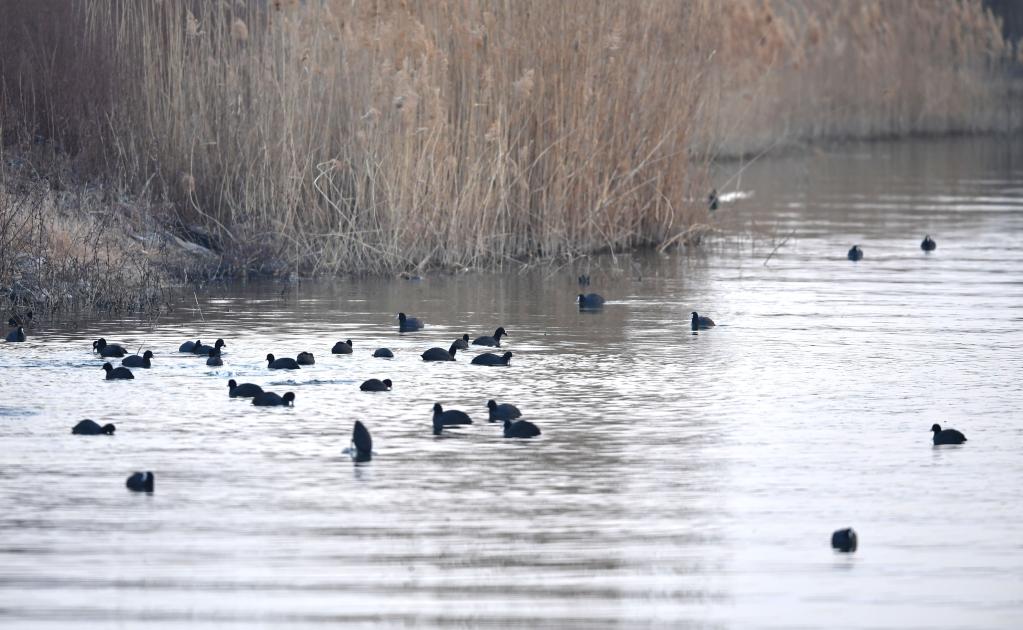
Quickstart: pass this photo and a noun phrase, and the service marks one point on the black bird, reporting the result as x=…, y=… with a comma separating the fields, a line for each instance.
x=947, y=436
x=440, y=354
x=489, y=358
x=408, y=324
x=590, y=301
x=214, y=359
x=462, y=343
x=88, y=427
x=284, y=363
x=137, y=361
x=584, y=280
x=520, y=429
x=270, y=399
x=16, y=335
x=108, y=350
x=503, y=411
x=700, y=322
x=855, y=253
x=141, y=482
x=376, y=385
x=928, y=244
x=363, y=442
x=342, y=347
x=844, y=540
x=443, y=418
x=712, y=199
x=305, y=358
x=245, y=390
x=116, y=373
x=202, y=350
x=188, y=346
x=383, y=353
x=494, y=342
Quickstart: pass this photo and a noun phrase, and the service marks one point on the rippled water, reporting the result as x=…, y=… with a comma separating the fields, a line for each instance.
x=681, y=479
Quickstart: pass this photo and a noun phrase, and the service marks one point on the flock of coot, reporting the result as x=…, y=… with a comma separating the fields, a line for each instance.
x=362, y=443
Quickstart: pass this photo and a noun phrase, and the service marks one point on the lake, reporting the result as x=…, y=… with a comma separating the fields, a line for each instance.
x=681, y=480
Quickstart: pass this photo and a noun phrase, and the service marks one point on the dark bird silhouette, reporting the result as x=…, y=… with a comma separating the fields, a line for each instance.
x=18, y=334
x=204, y=351
x=245, y=390
x=214, y=359
x=188, y=346
x=137, y=361
x=117, y=373
x=376, y=385
x=928, y=244
x=590, y=301
x=108, y=349
x=520, y=429
x=440, y=354
x=342, y=347
x=699, y=322
x=270, y=399
x=305, y=358
x=443, y=418
x=947, y=436
x=408, y=324
x=844, y=540
x=494, y=341
x=141, y=482
x=503, y=411
x=855, y=253
x=284, y=363
x=383, y=353
x=462, y=343
x=489, y=358
x=88, y=427
x=362, y=442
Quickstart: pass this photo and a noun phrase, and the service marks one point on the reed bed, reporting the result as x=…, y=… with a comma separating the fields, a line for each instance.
x=386, y=136
x=821, y=69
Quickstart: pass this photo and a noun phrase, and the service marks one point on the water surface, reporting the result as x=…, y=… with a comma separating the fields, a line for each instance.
x=681, y=479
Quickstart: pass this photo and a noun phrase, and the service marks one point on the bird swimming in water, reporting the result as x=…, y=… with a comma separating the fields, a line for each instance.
x=928, y=244
x=855, y=253
x=492, y=341
x=844, y=540
x=16, y=335
x=305, y=358
x=284, y=363
x=384, y=353
x=137, y=361
x=362, y=443
x=440, y=354
x=462, y=343
x=89, y=427
x=503, y=411
x=342, y=347
x=141, y=482
x=376, y=385
x=117, y=373
x=245, y=390
x=699, y=322
x=204, y=351
x=590, y=301
x=271, y=399
x=489, y=358
x=108, y=350
x=520, y=429
x=947, y=436
x=409, y=324
x=214, y=359
x=451, y=417
x=188, y=346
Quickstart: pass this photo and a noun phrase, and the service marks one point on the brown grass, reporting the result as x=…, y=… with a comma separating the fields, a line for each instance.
x=824, y=69
x=382, y=136
x=386, y=135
